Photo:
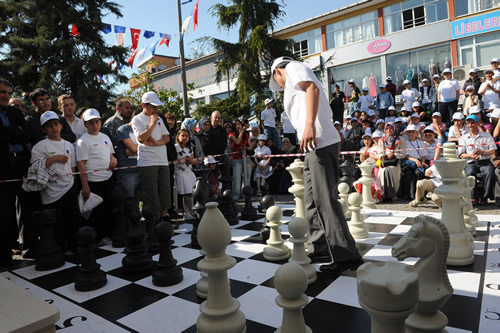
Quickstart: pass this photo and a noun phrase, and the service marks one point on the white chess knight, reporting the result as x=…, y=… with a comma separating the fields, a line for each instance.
x=450, y=168
x=296, y=170
x=429, y=240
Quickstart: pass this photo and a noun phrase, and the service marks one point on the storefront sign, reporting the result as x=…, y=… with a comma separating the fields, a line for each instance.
x=378, y=46
x=475, y=25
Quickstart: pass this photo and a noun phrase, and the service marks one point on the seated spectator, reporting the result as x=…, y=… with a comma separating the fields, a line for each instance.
x=380, y=125
x=270, y=143
x=415, y=162
x=391, y=114
x=347, y=123
x=390, y=151
x=478, y=149
x=471, y=99
x=424, y=118
x=353, y=137
x=438, y=126
x=415, y=120
x=399, y=126
x=458, y=129
x=484, y=124
x=369, y=152
x=341, y=131
x=405, y=114
x=428, y=186
x=281, y=180
x=433, y=144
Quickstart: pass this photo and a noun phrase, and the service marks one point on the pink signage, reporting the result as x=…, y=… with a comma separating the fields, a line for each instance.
x=379, y=46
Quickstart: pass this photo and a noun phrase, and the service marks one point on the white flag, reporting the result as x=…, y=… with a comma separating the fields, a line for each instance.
x=185, y=26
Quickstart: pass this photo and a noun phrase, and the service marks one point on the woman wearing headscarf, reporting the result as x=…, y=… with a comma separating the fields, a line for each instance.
x=391, y=149
x=190, y=125
x=202, y=135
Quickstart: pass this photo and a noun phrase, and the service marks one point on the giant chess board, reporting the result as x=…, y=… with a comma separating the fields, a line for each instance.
x=131, y=303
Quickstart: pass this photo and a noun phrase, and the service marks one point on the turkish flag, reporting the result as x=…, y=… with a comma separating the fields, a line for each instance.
x=195, y=15
x=74, y=31
x=135, y=33
x=165, y=39
x=130, y=60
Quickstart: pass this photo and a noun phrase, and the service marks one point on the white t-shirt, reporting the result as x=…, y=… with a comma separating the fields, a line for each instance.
x=287, y=125
x=453, y=132
x=48, y=148
x=489, y=96
x=295, y=105
x=425, y=98
x=261, y=151
x=96, y=150
x=414, y=151
x=78, y=127
x=365, y=101
x=267, y=116
x=147, y=155
x=410, y=96
x=448, y=90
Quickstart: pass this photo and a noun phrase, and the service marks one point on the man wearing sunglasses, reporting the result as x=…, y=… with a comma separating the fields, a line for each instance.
x=309, y=112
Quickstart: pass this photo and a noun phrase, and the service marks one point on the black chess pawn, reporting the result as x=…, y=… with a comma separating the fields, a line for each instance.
x=227, y=209
x=137, y=259
x=166, y=272
x=89, y=275
x=264, y=188
x=249, y=211
x=151, y=218
x=266, y=202
x=49, y=255
x=346, y=169
x=200, y=195
x=120, y=218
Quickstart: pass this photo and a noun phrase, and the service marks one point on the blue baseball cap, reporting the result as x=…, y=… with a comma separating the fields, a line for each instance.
x=473, y=117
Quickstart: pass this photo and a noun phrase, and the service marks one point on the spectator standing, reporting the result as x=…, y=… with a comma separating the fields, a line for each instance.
x=474, y=81
x=365, y=101
x=288, y=129
x=16, y=102
x=436, y=79
x=471, y=99
x=489, y=89
x=185, y=179
x=268, y=122
x=448, y=95
x=218, y=136
x=121, y=117
x=391, y=87
x=66, y=104
x=425, y=93
x=355, y=94
x=171, y=122
x=336, y=104
x=384, y=101
x=126, y=155
x=190, y=125
x=203, y=135
x=263, y=169
x=409, y=95
x=240, y=141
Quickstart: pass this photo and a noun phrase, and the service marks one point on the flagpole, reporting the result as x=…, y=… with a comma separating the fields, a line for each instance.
x=183, y=65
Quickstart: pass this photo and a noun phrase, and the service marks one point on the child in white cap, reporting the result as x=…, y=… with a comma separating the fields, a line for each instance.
x=263, y=170
x=471, y=99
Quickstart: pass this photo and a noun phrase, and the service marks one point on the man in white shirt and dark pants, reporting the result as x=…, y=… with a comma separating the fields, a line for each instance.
x=309, y=112
x=269, y=124
x=288, y=129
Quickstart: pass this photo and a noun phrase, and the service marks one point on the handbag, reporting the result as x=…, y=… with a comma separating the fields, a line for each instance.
x=386, y=162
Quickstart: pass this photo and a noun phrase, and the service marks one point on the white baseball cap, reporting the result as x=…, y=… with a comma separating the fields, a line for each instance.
x=262, y=137
x=437, y=114
x=392, y=107
x=336, y=122
x=90, y=114
x=406, y=82
x=398, y=119
x=350, y=81
x=430, y=128
x=268, y=100
x=210, y=160
x=371, y=113
x=494, y=60
x=474, y=109
x=273, y=85
x=488, y=70
x=415, y=104
x=411, y=127
x=388, y=78
x=470, y=87
x=48, y=115
x=377, y=134
x=366, y=89
x=435, y=76
x=446, y=70
x=381, y=85
x=425, y=80
x=415, y=115
x=151, y=98
x=367, y=133
x=458, y=116
x=472, y=70
x=495, y=113
x=380, y=121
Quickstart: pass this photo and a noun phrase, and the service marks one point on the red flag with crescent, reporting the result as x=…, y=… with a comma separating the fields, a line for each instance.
x=195, y=15
x=74, y=31
x=130, y=59
x=165, y=39
x=135, y=33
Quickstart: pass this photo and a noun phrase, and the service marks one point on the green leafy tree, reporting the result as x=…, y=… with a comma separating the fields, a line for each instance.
x=255, y=49
x=38, y=50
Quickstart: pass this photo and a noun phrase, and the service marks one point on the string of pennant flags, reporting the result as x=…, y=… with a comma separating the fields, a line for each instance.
x=135, y=35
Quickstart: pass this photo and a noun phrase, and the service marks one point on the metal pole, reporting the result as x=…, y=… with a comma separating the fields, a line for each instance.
x=183, y=65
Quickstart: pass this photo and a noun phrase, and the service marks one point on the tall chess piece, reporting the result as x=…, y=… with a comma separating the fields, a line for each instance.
x=202, y=283
x=389, y=293
x=290, y=281
x=120, y=218
x=462, y=244
x=49, y=255
x=298, y=228
x=249, y=211
x=346, y=169
x=466, y=204
x=428, y=239
x=275, y=249
x=471, y=182
x=200, y=196
x=296, y=170
x=367, y=180
x=227, y=209
x=137, y=259
x=225, y=177
x=343, y=190
x=357, y=226
x=166, y=272
x=90, y=276
x=151, y=219
x=266, y=202
x=220, y=312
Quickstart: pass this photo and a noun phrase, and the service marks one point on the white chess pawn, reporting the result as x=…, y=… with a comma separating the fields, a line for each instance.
x=343, y=189
x=275, y=249
x=290, y=281
x=220, y=312
x=298, y=229
x=296, y=170
x=389, y=293
x=357, y=226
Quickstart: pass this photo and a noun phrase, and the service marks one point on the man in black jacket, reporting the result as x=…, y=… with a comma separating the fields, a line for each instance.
x=217, y=134
x=14, y=135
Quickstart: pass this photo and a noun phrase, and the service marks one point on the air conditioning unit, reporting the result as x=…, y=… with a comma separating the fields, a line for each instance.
x=461, y=73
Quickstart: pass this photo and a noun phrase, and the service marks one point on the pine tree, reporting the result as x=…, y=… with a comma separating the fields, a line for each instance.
x=38, y=49
x=255, y=49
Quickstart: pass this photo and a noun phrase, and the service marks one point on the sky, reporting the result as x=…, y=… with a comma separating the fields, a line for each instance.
x=161, y=16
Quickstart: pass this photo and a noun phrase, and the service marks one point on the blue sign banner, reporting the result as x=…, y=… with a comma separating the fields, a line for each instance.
x=475, y=25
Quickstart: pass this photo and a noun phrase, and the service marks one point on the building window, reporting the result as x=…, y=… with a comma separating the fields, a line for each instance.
x=413, y=13
x=307, y=43
x=417, y=65
x=464, y=7
x=365, y=74
x=352, y=30
x=478, y=50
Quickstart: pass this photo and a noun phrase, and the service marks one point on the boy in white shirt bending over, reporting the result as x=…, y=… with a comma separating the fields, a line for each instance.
x=61, y=192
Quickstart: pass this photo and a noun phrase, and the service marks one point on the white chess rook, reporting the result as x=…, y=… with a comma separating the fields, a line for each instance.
x=298, y=230
x=357, y=226
x=461, y=242
x=220, y=313
x=275, y=250
x=290, y=281
x=367, y=180
x=389, y=293
x=296, y=170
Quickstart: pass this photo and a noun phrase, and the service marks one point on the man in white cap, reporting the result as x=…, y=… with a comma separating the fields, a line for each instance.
x=425, y=90
x=436, y=80
x=391, y=87
x=384, y=101
x=458, y=129
x=490, y=89
x=268, y=122
x=308, y=109
x=409, y=94
x=473, y=80
x=448, y=95
x=355, y=94
x=365, y=101
x=471, y=99
x=416, y=158
x=495, y=63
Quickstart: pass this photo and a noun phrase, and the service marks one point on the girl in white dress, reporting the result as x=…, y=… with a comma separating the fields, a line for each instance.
x=263, y=169
x=185, y=179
